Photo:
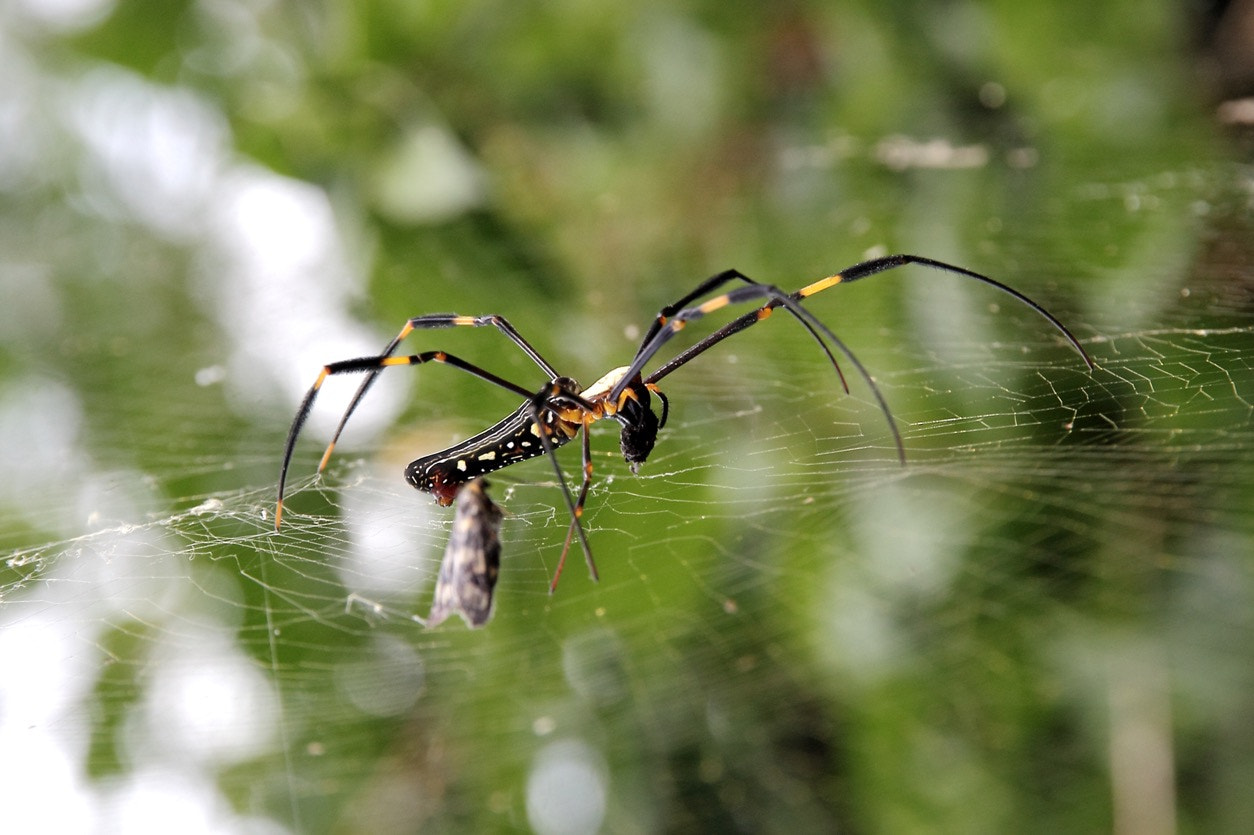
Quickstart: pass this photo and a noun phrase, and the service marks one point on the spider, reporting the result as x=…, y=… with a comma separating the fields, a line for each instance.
x=553, y=415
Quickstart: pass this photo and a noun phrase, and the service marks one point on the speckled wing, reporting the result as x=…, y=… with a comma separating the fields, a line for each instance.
x=472, y=559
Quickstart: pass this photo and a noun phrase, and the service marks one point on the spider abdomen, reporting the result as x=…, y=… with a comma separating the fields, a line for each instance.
x=514, y=439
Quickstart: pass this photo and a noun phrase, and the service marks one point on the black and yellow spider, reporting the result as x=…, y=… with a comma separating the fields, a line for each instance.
x=553, y=415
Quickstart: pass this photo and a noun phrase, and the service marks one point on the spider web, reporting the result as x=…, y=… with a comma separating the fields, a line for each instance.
x=1063, y=549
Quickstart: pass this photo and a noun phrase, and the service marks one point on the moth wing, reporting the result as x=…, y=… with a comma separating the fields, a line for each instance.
x=472, y=560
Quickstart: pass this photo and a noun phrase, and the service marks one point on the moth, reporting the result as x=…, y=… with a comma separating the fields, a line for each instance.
x=472, y=559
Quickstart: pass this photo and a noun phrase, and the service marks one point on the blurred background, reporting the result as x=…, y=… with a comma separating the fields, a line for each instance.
x=1044, y=621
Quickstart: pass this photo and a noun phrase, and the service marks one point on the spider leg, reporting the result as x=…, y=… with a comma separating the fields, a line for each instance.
x=543, y=399
x=673, y=320
x=691, y=352
x=435, y=321
x=891, y=262
x=666, y=404
x=710, y=285
x=374, y=365
x=576, y=514
x=777, y=298
x=857, y=271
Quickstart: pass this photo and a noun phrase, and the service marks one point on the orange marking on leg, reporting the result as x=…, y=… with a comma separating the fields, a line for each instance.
x=464, y=320
x=278, y=514
x=326, y=456
x=820, y=285
x=405, y=331
x=714, y=304
x=321, y=377
x=764, y=312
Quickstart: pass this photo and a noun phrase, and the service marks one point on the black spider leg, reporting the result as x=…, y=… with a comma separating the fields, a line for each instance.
x=666, y=405
x=740, y=295
x=857, y=271
x=435, y=321
x=862, y=270
x=374, y=365
x=708, y=286
x=693, y=351
x=576, y=515
x=545, y=399
x=891, y=262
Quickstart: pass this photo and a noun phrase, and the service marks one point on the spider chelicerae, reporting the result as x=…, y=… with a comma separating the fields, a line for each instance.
x=551, y=416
